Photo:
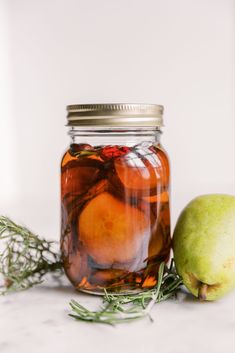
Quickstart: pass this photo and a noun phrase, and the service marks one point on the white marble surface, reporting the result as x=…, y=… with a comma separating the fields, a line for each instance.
x=37, y=321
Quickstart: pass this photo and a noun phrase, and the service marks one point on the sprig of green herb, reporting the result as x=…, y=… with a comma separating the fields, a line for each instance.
x=24, y=257
x=123, y=308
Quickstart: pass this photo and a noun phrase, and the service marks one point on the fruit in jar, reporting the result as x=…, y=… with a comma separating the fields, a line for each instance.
x=106, y=277
x=93, y=197
x=147, y=174
x=204, y=246
x=77, y=175
x=73, y=266
x=112, y=231
x=135, y=173
x=155, y=244
x=110, y=152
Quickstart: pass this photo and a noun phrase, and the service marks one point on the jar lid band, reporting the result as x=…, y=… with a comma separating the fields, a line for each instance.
x=118, y=114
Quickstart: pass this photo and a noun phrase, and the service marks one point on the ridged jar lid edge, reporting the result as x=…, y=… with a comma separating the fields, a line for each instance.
x=115, y=114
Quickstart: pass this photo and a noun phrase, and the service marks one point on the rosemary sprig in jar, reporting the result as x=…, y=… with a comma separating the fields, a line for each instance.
x=24, y=257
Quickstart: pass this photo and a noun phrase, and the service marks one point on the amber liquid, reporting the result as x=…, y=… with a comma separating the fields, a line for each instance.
x=115, y=216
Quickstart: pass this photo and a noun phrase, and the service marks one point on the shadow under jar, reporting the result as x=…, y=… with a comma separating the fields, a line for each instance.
x=115, y=227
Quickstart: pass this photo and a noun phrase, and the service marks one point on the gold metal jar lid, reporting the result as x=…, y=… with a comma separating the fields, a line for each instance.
x=117, y=114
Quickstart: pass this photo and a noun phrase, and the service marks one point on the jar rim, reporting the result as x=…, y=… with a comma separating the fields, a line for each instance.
x=115, y=114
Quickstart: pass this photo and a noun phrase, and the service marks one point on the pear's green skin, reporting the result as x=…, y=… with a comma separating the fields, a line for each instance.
x=204, y=245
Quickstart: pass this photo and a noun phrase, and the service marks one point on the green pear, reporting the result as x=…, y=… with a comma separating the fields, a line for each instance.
x=204, y=246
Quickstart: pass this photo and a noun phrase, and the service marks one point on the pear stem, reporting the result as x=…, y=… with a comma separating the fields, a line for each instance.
x=202, y=291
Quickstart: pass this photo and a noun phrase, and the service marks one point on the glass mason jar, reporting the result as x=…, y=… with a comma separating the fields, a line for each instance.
x=115, y=228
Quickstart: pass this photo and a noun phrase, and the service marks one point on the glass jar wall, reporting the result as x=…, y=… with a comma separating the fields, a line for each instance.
x=115, y=228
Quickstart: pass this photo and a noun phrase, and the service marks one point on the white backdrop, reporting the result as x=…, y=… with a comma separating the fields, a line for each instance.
x=56, y=52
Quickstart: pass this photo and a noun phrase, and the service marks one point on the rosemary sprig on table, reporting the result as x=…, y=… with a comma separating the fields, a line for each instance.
x=24, y=257
x=122, y=308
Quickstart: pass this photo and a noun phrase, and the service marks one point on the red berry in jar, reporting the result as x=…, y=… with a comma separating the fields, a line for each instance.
x=109, y=152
